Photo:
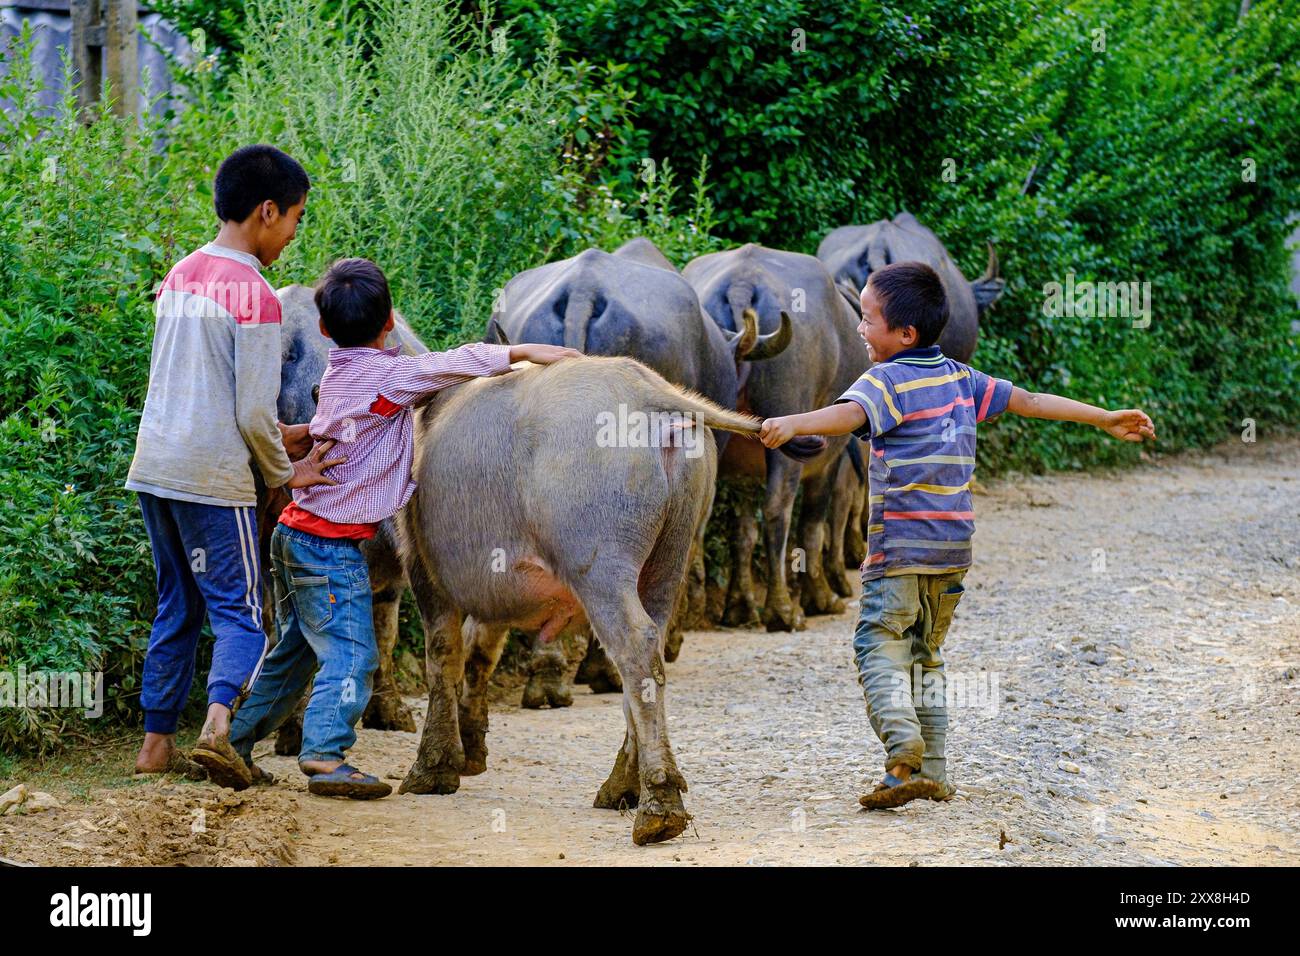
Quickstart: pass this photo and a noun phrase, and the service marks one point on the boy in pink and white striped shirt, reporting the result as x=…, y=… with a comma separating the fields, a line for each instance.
x=319, y=574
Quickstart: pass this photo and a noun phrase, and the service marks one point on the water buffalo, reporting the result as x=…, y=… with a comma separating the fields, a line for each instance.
x=852, y=253
x=824, y=357
x=631, y=302
x=530, y=514
x=646, y=252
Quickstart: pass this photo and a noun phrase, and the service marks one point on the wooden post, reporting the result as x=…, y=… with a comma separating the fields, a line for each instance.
x=104, y=47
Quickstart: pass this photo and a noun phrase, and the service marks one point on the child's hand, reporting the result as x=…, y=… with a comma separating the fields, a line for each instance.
x=297, y=440
x=541, y=354
x=1129, y=424
x=311, y=470
x=776, y=431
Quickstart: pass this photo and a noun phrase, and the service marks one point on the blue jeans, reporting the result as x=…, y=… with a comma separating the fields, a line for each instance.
x=322, y=592
x=903, y=622
x=206, y=561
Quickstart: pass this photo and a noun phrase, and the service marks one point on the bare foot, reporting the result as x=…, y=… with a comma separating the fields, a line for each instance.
x=217, y=723
x=155, y=753
x=214, y=753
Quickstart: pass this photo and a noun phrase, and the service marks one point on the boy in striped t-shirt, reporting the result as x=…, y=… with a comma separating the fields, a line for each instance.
x=919, y=411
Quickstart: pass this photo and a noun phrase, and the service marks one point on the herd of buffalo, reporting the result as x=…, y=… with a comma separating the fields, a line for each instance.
x=524, y=521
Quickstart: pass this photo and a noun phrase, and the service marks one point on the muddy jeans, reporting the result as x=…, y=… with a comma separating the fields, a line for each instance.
x=901, y=628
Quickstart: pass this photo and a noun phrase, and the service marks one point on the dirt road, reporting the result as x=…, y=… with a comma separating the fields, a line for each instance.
x=1129, y=649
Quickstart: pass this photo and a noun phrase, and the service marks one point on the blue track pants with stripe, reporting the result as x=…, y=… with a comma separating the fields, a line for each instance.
x=207, y=563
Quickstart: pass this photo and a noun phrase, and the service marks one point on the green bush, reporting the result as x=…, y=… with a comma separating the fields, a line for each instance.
x=89, y=218
x=807, y=111
x=1127, y=164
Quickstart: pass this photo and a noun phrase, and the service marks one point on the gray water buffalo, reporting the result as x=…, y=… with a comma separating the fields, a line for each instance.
x=631, y=302
x=552, y=498
x=304, y=354
x=646, y=252
x=852, y=253
x=824, y=356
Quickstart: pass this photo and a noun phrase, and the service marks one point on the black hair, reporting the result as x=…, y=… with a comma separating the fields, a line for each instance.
x=911, y=294
x=354, y=302
x=253, y=174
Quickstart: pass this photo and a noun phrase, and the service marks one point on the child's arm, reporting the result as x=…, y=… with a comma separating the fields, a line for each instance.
x=838, y=419
x=416, y=377
x=1127, y=424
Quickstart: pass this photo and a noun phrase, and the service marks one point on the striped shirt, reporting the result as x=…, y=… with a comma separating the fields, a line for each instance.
x=365, y=405
x=922, y=409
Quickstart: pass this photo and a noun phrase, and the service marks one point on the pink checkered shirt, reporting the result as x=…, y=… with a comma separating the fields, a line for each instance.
x=365, y=405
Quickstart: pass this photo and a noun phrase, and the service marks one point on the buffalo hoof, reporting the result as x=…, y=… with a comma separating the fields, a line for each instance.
x=598, y=671
x=741, y=613
x=546, y=690
x=622, y=790
x=821, y=600
x=673, y=645
x=617, y=795
x=661, y=814
x=784, y=617
x=288, y=740
x=387, y=712
x=841, y=583
x=440, y=780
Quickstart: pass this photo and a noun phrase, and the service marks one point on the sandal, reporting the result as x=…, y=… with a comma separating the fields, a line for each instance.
x=225, y=767
x=892, y=792
x=340, y=782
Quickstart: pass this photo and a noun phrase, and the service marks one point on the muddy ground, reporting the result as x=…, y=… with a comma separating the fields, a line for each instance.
x=1137, y=633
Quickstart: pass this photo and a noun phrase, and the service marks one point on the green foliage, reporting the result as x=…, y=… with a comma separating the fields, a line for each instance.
x=809, y=112
x=89, y=216
x=1129, y=163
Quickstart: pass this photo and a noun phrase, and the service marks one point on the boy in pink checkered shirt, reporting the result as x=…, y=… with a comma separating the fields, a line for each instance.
x=319, y=574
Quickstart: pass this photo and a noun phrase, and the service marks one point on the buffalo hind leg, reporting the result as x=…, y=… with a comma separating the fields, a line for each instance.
x=635, y=643
x=483, y=646
x=441, y=758
x=387, y=581
x=645, y=774
x=741, y=607
x=843, y=492
x=817, y=594
x=386, y=710
x=780, y=612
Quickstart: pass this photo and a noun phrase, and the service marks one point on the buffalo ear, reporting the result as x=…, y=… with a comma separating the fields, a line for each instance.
x=495, y=334
x=987, y=291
